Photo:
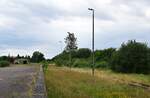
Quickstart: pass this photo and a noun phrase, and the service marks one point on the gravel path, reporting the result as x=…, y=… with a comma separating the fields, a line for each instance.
x=17, y=82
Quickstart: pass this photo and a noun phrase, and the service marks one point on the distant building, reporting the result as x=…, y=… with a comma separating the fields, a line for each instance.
x=21, y=61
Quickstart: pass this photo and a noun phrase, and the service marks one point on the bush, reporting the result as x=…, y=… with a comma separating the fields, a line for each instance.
x=45, y=65
x=83, y=53
x=59, y=62
x=132, y=57
x=4, y=63
x=81, y=63
x=101, y=64
x=104, y=55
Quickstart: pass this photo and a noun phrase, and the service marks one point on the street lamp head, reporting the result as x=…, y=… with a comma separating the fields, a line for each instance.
x=90, y=9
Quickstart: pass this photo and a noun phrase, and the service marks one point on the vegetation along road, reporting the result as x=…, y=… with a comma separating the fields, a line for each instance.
x=62, y=82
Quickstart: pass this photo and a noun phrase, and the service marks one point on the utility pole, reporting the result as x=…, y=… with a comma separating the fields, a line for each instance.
x=93, y=59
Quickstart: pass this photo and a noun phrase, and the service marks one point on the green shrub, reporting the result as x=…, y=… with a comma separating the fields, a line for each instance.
x=83, y=53
x=81, y=63
x=45, y=65
x=101, y=64
x=4, y=63
x=61, y=62
x=104, y=55
x=132, y=57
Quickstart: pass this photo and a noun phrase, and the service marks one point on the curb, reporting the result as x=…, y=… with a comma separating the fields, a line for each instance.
x=39, y=90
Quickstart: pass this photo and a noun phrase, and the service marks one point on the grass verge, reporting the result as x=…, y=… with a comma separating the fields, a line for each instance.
x=61, y=82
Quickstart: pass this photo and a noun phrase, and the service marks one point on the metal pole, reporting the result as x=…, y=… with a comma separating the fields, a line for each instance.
x=93, y=59
x=93, y=68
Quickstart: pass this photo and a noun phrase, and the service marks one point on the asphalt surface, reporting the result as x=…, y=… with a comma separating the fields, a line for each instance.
x=18, y=82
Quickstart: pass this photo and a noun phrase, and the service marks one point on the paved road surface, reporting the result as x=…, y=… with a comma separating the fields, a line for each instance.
x=17, y=82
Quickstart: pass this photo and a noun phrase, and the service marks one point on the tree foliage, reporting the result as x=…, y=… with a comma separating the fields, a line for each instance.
x=132, y=57
x=104, y=55
x=71, y=45
x=70, y=41
x=37, y=57
x=4, y=63
x=83, y=53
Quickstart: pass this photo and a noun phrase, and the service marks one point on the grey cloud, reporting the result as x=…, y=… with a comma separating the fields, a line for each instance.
x=40, y=26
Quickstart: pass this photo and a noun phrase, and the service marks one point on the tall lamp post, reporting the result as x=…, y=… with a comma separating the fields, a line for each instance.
x=93, y=65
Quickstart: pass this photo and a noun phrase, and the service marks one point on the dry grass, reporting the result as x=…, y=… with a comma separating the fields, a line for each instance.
x=119, y=77
x=62, y=82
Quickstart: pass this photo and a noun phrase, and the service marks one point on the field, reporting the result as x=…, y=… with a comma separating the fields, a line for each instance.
x=62, y=82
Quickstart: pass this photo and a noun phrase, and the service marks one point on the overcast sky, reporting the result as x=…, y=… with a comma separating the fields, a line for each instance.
x=30, y=25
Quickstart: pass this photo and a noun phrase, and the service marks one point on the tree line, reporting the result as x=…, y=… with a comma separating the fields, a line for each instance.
x=36, y=57
x=131, y=57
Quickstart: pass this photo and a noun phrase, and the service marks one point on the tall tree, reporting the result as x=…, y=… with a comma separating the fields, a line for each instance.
x=71, y=45
x=18, y=56
x=37, y=57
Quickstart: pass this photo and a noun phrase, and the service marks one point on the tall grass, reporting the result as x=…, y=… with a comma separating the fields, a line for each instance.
x=78, y=83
